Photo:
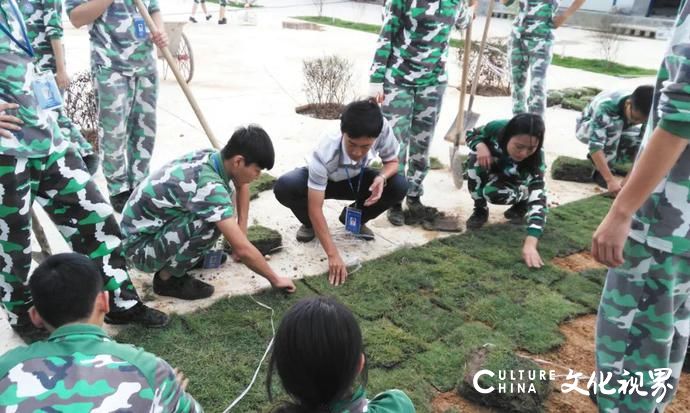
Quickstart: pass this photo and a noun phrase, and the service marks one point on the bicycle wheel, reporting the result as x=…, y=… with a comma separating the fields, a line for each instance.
x=185, y=58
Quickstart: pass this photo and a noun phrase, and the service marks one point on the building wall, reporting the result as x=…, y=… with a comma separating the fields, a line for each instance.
x=634, y=7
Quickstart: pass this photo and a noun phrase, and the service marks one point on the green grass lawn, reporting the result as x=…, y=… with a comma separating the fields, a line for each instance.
x=424, y=312
x=590, y=65
x=239, y=4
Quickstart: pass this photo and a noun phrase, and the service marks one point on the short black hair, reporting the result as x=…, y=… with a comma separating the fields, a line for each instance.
x=641, y=99
x=525, y=124
x=362, y=119
x=64, y=288
x=254, y=144
x=316, y=352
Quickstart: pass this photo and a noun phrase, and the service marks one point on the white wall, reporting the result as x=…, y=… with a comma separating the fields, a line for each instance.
x=600, y=5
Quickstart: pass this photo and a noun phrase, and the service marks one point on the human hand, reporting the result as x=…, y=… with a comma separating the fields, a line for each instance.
x=182, y=381
x=530, y=254
x=160, y=38
x=62, y=79
x=376, y=190
x=608, y=240
x=613, y=185
x=337, y=270
x=8, y=122
x=376, y=92
x=484, y=158
x=284, y=283
x=558, y=21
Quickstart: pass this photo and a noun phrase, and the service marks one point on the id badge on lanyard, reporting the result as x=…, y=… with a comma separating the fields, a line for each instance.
x=140, y=29
x=46, y=91
x=353, y=216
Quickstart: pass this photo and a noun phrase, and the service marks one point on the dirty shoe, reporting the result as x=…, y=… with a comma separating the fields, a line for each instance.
x=417, y=212
x=395, y=215
x=478, y=218
x=139, y=314
x=516, y=213
x=305, y=234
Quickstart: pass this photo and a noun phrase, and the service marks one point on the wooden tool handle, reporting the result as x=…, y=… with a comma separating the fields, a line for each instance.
x=460, y=123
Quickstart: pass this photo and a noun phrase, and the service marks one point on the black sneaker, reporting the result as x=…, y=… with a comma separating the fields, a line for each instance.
x=224, y=20
x=200, y=264
x=478, y=218
x=139, y=314
x=396, y=216
x=185, y=287
x=192, y=19
x=28, y=331
x=118, y=201
x=516, y=213
x=208, y=17
x=305, y=234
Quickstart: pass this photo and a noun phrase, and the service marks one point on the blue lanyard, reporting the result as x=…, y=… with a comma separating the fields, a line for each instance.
x=27, y=44
x=361, y=174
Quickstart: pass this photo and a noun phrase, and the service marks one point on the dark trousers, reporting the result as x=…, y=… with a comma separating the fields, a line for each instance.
x=291, y=191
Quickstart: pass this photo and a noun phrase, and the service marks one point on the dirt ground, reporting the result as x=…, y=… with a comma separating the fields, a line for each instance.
x=577, y=262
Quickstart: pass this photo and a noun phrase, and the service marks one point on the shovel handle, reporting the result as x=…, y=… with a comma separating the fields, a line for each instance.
x=480, y=57
x=460, y=123
x=180, y=79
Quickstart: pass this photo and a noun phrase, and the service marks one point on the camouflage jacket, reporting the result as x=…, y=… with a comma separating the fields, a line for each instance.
x=603, y=118
x=79, y=369
x=412, y=48
x=505, y=165
x=195, y=185
x=663, y=221
x=114, y=44
x=43, y=23
x=535, y=18
x=40, y=134
x=391, y=401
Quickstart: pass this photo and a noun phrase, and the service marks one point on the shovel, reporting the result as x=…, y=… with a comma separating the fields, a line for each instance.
x=180, y=79
x=469, y=118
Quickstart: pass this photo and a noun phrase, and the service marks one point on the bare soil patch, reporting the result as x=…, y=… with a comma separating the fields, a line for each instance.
x=578, y=262
x=321, y=110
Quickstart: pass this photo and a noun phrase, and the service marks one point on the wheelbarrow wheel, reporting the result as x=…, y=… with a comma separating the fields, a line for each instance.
x=185, y=58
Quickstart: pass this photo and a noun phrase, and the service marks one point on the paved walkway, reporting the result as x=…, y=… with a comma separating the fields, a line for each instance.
x=253, y=74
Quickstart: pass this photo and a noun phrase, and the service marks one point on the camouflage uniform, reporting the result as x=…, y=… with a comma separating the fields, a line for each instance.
x=44, y=23
x=410, y=61
x=170, y=220
x=37, y=163
x=127, y=84
x=505, y=183
x=80, y=369
x=603, y=126
x=531, y=43
x=390, y=401
x=644, y=315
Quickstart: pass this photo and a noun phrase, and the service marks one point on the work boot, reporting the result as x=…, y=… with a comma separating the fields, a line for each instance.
x=139, y=314
x=478, y=217
x=26, y=329
x=118, y=201
x=305, y=234
x=516, y=213
x=192, y=19
x=224, y=20
x=395, y=215
x=418, y=212
x=185, y=287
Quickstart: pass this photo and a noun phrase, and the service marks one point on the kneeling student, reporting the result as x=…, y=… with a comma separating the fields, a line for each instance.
x=609, y=125
x=338, y=169
x=178, y=213
x=506, y=167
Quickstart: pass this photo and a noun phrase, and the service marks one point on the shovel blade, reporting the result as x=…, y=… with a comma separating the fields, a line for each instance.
x=456, y=169
x=471, y=119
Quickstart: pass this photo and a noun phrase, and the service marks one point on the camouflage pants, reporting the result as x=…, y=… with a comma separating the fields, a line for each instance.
x=485, y=186
x=620, y=149
x=643, y=324
x=413, y=113
x=176, y=248
x=126, y=127
x=529, y=56
x=63, y=187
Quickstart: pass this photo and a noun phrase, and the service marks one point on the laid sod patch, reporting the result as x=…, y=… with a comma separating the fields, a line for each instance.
x=264, y=183
x=566, y=168
x=237, y=4
x=425, y=312
x=590, y=65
